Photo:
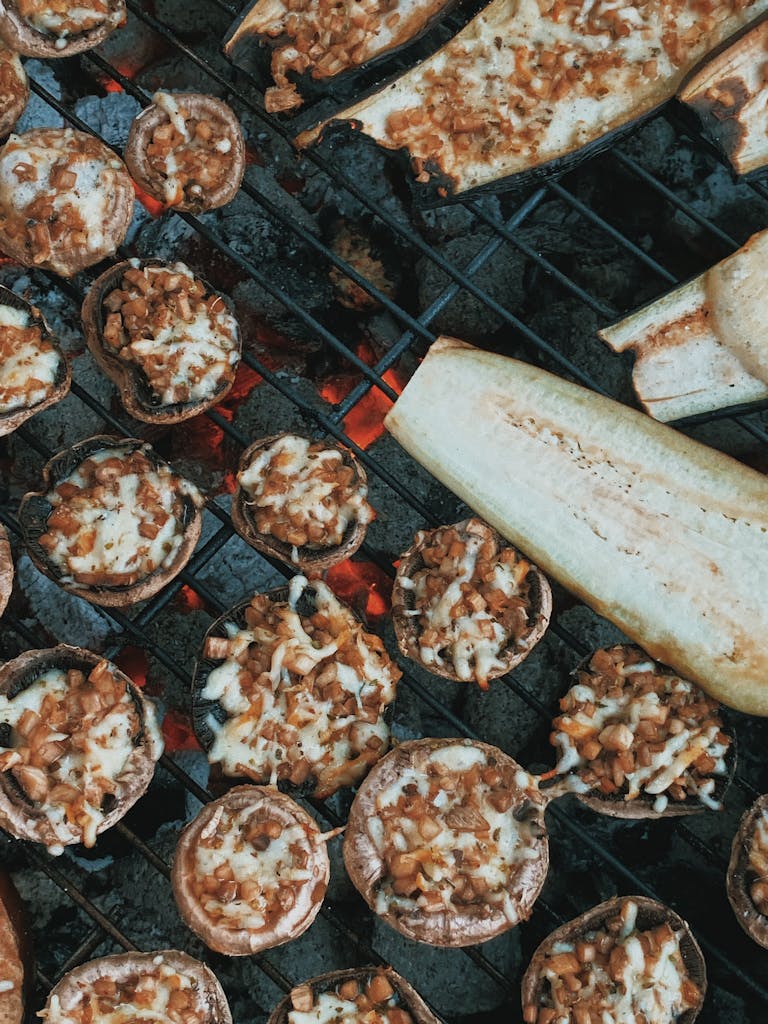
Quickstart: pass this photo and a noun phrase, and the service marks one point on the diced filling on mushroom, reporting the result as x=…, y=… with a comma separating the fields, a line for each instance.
x=56, y=192
x=304, y=695
x=630, y=728
x=64, y=18
x=360, y=1000
x=29, y=363
x=68, y=738
x=470, y=600
x=303, y=493
x=252, y=869
x=447, y=837
x=116, y=519
x=189, y=154
x=180, y=335
x=758, y=864
x=616, y=975
x=11, y=81
x=156, y=993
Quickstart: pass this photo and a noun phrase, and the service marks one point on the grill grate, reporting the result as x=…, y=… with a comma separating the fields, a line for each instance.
x=735, y=965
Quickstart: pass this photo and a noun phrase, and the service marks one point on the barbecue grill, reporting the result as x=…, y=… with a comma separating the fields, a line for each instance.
x=652, y=210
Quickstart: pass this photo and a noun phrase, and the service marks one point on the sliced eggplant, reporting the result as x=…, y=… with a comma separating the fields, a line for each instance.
x=703, y=346
x=351, y=995
x=66, y=200
x=6, y=570
x=621, y=707
x=171, y=987
x=666, y=987
x=250, y=872
x=165, y=337
x=187, y=151
x=663, y=536
x=528, y=87
x=117, y=537
x=34, y=372
x=446, y=841
x=324, y=40
x=302, y=502
x=747, y=878
x=16, y=957
x=55, y=704
x=14, y=90
x=311, y=715
x=46, y=30
x=727, y=96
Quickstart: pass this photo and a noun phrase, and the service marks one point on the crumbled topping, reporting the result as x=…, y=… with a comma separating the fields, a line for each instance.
x=180, y=335
x=116, y=519
x=304, y=493
x=758, y=864
x=629, y=727
x=29, y=363
x=371, y=1000
x=11, y=82
x=64, y=18
x=304, y=694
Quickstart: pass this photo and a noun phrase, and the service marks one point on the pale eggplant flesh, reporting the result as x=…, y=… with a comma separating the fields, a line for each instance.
x=740, y=875
x=404, y=995
x=728, y=98
x=665, y=537
x=527, y=87
x=703, y=346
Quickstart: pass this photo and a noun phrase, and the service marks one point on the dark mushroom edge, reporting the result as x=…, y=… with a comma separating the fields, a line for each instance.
x=741, y=875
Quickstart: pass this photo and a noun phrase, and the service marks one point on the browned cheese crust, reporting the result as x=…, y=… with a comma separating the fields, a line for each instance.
x=21, y=34
x=741, y=878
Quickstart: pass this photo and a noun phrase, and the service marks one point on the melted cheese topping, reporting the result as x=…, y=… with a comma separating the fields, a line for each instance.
x=446, y=836
x=303, y=696
x=115, y=527
x=303, y=493
x=28, y=362
x=333, y=1008
x=64, y=18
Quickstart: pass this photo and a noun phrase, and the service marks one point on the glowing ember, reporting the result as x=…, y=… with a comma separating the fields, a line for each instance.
x=363, y=586
x=153, y=207
x=188, y=600
x=134, y=662
x=363, y=424
x=177, y=732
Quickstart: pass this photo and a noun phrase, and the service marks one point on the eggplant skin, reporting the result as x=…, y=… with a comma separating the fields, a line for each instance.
x=490, y=105
x=749, y=917
x=407, y=995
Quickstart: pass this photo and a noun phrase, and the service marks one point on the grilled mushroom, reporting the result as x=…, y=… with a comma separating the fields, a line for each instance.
x=16, y=967
x=14, y=90
x=629, y=958
x=80, y=746
x=466, y=604
x=302, y=502
x=114, y=523
x=36, y=29
x=187, y=151
x=446, y=841
x=351, y=995
x=747, y=877
x=290, y=685
x=34, y=373
x=643, y=742
x=167, y=985
x=6, y=569
x=250, y=871
x=164, y=336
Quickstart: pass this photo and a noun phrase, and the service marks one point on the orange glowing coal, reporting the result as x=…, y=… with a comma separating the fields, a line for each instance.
x=177, y=732
x=188, y=600
x=364, y=424
x=363, y=586
x=153, y=206
x=134, y=662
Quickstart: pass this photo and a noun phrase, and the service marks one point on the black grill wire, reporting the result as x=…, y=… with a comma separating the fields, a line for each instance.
x=133, y=630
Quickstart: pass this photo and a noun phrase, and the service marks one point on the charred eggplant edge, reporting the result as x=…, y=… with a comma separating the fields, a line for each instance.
x=749, y=917
x=21, y=37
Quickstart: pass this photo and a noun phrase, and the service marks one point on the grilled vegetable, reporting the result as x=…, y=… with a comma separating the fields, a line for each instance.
x=58, y=30
x=728, y=96
x=705, y=345
x=16, y=973
x=6, y=569
x=355, y=995
x=526, y=84
x=14, y=90
x=665, y=537
x=629, y=958
x=747, y=877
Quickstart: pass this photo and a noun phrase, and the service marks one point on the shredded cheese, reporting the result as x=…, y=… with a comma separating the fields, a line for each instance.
x=29, y=363
x=64, y=19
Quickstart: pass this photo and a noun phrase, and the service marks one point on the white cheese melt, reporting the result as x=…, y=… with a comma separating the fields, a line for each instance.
x=28, y=366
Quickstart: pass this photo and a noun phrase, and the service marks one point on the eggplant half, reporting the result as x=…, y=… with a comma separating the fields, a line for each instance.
x=621, y=709
x=501, y=612
x=34, y=372
x=747, y=879
x=302, y=502
x=6, y=570
x=14, y=90
x=630, y=958
x=352, y=995
x=187, y=151
x=66, y=200
x=527, y=88
x=250, y=872
x=16, y=957
x=164, y=986
x=291, y=687
x=55, y=704
x=703, y=346
x=114, y=523
x=727, y=97
x=446, y=841
x=44, y=30
x=665, y=537
x=165, y=337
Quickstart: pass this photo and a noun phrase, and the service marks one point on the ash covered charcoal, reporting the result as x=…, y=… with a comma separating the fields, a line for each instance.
x=67, y=619
x=109, y=116
x=38, y=113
